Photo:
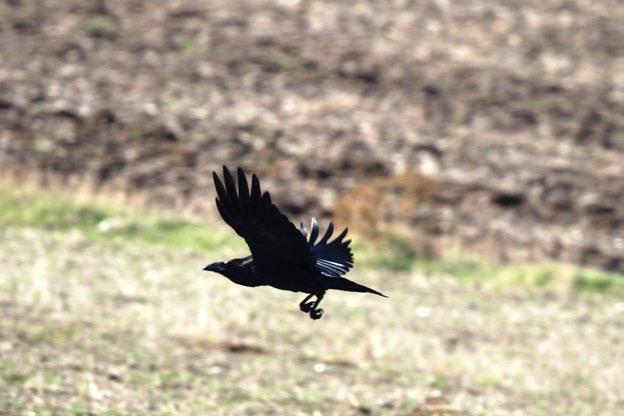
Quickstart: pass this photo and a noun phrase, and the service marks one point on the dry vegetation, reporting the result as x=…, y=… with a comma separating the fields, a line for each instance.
x=133, y=329
x=104, y=313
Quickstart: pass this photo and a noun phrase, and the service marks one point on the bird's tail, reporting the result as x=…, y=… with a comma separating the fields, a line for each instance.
x=340, y=283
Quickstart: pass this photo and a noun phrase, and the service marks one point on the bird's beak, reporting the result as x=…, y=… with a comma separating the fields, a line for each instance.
x=215, y=267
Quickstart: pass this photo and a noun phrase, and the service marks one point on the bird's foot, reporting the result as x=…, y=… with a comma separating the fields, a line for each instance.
x=316, y=314
x=306, y=307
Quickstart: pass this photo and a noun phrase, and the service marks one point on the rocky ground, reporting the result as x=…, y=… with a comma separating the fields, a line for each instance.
x=492, y=127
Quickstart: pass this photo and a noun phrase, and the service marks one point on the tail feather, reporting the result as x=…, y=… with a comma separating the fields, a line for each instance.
x=340, y=283
x=332, y=258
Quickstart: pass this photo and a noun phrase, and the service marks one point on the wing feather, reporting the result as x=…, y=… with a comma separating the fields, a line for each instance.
x=269, y=234
x=271, y=237
x=314, y=231
x=243, y=189
x=328, y=233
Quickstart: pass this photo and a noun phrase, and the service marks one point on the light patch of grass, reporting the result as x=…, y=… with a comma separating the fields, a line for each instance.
x=47, y=211
x=46, y=334
x=284, y=61
x=54, y=213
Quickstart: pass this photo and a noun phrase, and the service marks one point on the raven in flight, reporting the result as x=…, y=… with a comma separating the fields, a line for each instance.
x=282, y=256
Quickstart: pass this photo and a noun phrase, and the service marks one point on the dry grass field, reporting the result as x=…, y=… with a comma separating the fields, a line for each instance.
x=102, y=317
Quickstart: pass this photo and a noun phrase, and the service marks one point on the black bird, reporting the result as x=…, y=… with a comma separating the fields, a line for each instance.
x=282, y=256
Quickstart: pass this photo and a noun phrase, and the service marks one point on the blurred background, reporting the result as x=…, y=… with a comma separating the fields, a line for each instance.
x=475, y=150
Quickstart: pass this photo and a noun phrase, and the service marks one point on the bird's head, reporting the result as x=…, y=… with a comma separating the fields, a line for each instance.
x=218, y=267
x=237, y=270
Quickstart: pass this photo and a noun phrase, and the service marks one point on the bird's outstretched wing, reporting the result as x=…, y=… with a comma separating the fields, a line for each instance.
x=271, y=237
x=332, y=258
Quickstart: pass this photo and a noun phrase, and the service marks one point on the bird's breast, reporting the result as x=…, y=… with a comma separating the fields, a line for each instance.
x=294, y=279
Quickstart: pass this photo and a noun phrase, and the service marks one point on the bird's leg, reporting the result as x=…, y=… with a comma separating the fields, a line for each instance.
x=314, y=312
x=306, y=307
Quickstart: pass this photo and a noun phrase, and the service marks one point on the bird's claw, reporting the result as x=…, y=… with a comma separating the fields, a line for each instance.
x=316, y=314
x=306, y=307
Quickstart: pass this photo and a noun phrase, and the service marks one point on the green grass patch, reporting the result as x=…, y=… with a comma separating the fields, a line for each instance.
x=47, y=211
x=100, y=26
x=10, y=375
x=396, y=254
x=54, y=213
x=598, y=281
x=190, y=47
x=399, y=255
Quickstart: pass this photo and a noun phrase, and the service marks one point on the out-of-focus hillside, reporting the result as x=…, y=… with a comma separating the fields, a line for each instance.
x=495, y=126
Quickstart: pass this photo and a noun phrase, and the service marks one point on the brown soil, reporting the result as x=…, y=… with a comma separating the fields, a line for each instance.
x=495, y=126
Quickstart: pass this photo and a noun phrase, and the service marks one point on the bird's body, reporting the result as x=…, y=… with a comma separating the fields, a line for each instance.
x=282, y=276
x=282, y=256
